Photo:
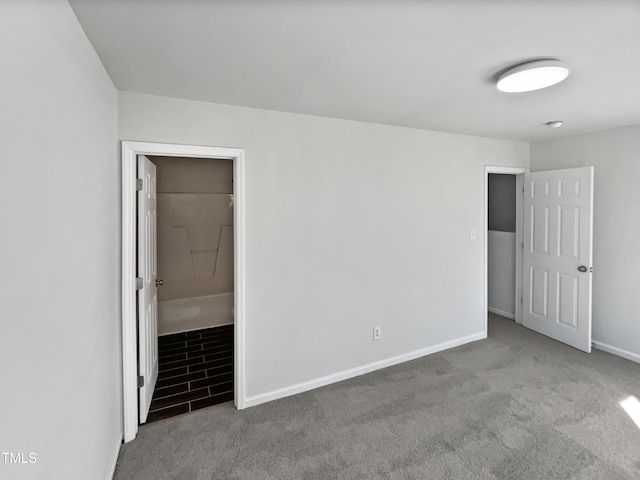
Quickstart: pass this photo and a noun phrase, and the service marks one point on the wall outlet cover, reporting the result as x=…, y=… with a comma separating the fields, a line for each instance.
x=377, y=333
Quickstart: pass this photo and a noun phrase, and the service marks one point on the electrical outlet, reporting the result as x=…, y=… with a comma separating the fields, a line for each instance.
x=377, y=333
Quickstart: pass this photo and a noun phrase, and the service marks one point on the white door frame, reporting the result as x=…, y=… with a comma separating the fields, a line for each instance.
x=130, y=151
x=519, y=173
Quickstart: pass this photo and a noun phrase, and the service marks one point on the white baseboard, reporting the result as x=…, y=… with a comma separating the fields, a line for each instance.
x=357, y=371
x=114, y=460
x=634, y=357
x=503, y=313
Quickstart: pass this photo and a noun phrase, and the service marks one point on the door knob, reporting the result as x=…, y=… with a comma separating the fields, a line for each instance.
x=159, y=283
x=582, y=268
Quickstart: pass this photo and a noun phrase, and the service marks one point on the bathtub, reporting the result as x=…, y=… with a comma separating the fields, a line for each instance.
x=195, y=313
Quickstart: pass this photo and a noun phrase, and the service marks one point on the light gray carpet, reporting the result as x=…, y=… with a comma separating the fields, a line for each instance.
x=515, y=406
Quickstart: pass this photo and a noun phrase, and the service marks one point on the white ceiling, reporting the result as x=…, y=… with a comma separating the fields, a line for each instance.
x=423, y=64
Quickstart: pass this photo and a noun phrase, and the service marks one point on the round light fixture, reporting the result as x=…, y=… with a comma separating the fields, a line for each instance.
x=554, y=124
x=533, y=76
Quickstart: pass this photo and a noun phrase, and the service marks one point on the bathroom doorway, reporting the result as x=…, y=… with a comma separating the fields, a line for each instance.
x=195, y=271
x=139, y=329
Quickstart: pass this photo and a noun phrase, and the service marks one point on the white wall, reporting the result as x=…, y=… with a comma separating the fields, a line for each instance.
x=501, y=273
x=59, y=248
x=502, y=202
x=349, y=225
x=615, y=154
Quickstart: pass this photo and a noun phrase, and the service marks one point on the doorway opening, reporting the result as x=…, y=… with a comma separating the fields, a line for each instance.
x=553, y=254
x=501, y=245
x=195, y=284
x=196, y=295
x=503, y=242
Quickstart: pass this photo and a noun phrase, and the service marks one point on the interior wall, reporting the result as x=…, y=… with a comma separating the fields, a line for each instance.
x=615, y=154
x=502, y=202
x=501, y=246
x=501, y=273
x=195, y=243
x=340, y=233
x=60, y=248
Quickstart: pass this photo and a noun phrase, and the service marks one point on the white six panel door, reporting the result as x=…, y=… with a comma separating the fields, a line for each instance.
x=557, y=257
x=148, y=294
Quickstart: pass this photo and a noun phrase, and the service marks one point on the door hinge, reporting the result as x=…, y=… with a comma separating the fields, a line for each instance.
x=521, y=301
x=139, y=283
x=140, y=381
x=522, y=246
x=139, y=184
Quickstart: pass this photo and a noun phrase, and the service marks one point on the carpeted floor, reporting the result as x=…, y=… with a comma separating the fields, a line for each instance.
x=515, y=406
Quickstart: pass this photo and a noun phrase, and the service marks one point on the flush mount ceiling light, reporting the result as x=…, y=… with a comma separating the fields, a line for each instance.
x=554, y=124
x=533, y=76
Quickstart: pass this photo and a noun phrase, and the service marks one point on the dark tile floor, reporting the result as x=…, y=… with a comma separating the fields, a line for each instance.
x=196, y=371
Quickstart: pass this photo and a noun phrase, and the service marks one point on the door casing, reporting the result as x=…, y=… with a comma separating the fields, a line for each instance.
x=130, y=151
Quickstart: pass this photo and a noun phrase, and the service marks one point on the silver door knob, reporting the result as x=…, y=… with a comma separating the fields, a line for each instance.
x=582, y=268
x=159, y=283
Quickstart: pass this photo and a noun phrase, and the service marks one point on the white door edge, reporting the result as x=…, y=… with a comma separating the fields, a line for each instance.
x=519, y=172
x=130, y=151
x=148, y=365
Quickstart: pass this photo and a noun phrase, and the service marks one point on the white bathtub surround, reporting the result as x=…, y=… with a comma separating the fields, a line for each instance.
x=186, y=314
x=195, y=242
x=502, y=273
